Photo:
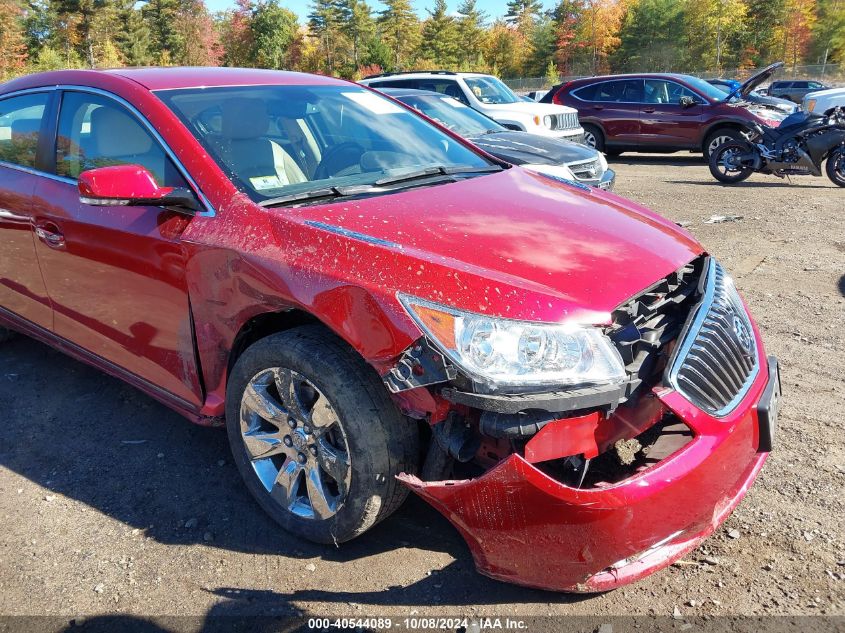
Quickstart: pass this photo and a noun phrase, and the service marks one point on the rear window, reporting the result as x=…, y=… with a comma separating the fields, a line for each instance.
x=586, y=92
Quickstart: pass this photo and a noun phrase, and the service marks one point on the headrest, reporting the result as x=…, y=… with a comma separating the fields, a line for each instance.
x=244, y=118
x=452, y=90
x=25, y=128
x=114, y=133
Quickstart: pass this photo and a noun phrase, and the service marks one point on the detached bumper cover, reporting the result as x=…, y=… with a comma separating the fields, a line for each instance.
x=526, y=528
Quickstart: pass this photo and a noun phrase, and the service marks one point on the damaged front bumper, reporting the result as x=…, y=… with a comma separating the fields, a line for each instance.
x=525, y=527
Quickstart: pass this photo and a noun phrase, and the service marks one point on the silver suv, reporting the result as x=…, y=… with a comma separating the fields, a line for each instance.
x=490, y=96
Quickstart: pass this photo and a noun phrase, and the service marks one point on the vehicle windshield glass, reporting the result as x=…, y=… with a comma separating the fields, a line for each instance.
x=453, y=114
x=707, y=89
x=276, y=141
x=490, y=90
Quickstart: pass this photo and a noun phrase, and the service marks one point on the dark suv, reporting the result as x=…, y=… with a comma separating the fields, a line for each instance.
x=662, y=112
x=795, y=90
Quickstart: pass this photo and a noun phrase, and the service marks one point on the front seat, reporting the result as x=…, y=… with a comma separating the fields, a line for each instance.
x=452, y=90
x=254, y=159
x=118, y=139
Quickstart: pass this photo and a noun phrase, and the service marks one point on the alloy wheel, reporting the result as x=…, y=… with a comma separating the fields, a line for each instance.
x=589, y=139
x=717, y=141
x=727, y=163
x=295, y=442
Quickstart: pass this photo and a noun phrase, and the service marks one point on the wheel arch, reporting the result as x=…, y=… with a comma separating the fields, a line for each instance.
x=723, y=124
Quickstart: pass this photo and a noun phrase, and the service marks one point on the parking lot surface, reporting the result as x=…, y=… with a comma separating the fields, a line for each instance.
x=110, y=502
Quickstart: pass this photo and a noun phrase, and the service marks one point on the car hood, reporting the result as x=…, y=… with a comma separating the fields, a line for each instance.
x=830, y=92
x=526, y=108
x=756, y=80
x=522, y=148
x=513, y=244
x=781, y=104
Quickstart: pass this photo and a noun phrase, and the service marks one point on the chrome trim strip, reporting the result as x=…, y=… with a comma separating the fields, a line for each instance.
x=209, y=211
x=688, y=338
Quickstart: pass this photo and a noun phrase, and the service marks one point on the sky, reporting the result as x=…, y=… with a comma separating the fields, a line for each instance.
x=493, y=8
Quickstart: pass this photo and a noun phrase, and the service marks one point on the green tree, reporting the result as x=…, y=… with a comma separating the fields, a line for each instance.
x=471, y=33
x=236, y=34
x=377, y=53
x=523, y=13
x=276, y=34
x=829, y=32
x=400, y=28
x=324, y=26
x=133, y=38
x=440, y=41
x=649, y=37
x=763, y=39
x=358, y=25
x=161, y=16
x=713, y=30
x=94, y=23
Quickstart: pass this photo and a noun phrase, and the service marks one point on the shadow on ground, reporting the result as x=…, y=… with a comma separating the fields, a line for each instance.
x=90, y=437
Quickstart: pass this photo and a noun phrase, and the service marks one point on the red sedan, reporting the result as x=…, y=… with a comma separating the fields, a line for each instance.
x=370, y=304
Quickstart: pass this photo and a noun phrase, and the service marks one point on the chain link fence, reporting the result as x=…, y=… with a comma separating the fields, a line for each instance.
x=832, y=74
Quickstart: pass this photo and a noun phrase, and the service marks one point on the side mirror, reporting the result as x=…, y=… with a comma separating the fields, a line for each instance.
x=686, y=102
x=131, y=185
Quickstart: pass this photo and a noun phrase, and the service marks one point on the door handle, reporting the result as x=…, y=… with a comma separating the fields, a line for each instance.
x=598, y=108
x=648, y=110
x=49, y=233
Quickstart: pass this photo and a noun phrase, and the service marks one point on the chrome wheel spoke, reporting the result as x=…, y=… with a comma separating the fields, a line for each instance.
x=334, y=462
x=286, y=383
x=261, y=444
x=257, y=400
x=286, y=486
x=321, y=505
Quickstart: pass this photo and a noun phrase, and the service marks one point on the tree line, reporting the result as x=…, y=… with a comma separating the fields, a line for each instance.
x=351, y=38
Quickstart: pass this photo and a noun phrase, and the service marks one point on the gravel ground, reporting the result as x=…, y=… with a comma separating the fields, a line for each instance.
x=110, y=503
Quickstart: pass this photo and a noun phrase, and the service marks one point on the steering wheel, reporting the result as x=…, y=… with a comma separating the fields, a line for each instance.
x=339, y=158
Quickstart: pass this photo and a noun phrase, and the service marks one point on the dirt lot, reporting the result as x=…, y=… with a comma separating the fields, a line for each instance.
x=111, y=503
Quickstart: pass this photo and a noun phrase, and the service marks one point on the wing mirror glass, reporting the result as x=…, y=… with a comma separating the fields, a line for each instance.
x=132, y=185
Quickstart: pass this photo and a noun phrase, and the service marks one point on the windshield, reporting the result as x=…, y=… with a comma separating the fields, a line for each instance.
x=707, y=89
x=453, y=114
x=277, y=141
x=490, y=90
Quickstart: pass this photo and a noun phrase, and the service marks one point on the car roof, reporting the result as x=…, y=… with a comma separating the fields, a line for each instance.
x=587, y=80
x=173, y=78
x=424, y=73
x=412, y=92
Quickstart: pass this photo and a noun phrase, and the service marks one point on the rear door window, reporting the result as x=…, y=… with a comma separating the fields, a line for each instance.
x=621, y=91
x=20, y=128
x=587, y=93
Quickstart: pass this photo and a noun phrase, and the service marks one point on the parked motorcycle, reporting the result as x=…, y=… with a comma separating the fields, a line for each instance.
x=797, y=147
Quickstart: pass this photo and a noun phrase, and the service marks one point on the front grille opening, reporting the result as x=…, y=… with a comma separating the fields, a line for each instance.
x=624, y=459
x=645, y=328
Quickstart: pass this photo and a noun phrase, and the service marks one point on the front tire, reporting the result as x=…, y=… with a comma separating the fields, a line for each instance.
x=316, y=437
x=722, y=166
x=835, y=167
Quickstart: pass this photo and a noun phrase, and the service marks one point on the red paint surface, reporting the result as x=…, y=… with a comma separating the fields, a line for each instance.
x=585, y=536
x=126, y=288
x=120, y=182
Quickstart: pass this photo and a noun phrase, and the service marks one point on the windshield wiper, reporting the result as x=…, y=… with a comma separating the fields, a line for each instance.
x=429, y=172
x=312, y=195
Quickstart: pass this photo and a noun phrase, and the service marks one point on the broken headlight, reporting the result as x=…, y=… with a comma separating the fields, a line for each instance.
x=504, y=352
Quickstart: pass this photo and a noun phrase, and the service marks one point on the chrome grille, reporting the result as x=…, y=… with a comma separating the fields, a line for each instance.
x=565, y=121
x=716, y=360
x=590, y=170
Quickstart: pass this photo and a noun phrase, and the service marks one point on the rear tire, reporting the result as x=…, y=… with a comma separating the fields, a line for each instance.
x=720, y=137
x=316, y=437
x=726, y=172
x=593, y=137
x=835, y=167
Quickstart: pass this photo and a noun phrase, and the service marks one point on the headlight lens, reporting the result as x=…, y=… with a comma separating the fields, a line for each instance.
x=811, y=104
x=602, y=162
x=504, y=352
x=547, y=121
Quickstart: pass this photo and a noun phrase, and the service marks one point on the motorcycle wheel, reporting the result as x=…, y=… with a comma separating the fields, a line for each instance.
x=835, y=167
x=721, y=166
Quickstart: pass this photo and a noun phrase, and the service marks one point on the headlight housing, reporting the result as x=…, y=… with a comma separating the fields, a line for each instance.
x=811, y=104
x=547, y=121
x=502, y=353
x=558, y=171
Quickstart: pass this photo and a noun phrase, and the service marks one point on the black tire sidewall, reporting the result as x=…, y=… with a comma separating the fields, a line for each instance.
x=714, y=171
x=597, y=133
x=835, y=177
x=368, y=443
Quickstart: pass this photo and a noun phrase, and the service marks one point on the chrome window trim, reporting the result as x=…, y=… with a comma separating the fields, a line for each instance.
x=208, y=211
x=689, y=335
